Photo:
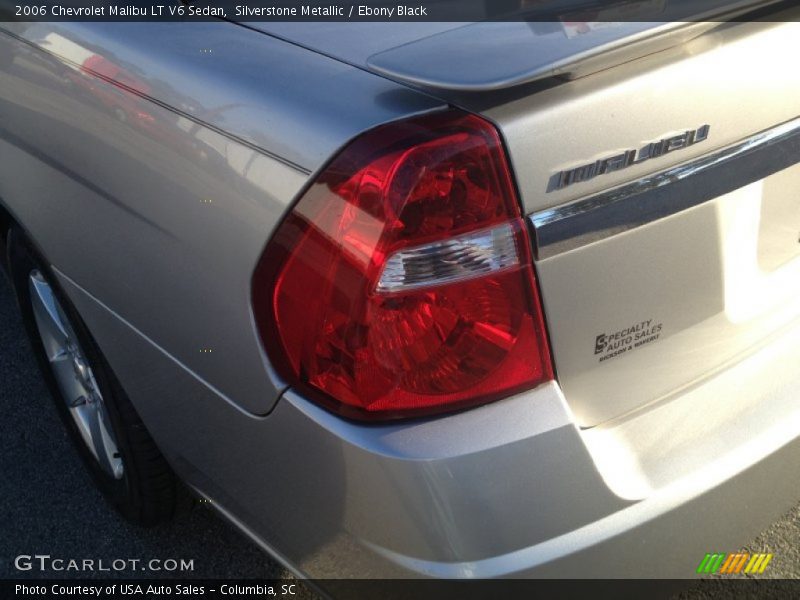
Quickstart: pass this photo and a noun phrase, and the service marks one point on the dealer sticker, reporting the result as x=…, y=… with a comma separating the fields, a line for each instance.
x=627, y=339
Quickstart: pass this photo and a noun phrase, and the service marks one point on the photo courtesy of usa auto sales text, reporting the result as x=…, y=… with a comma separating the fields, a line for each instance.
x=128, y=589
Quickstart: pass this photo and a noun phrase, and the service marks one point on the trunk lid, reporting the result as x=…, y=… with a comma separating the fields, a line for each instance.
x=660, y=267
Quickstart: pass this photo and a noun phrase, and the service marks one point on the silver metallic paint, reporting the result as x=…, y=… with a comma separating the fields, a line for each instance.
x=726, y=78
x=511, y=488
x=532, y=496
x=663, y=194
x=492, y=55
x=201, y=189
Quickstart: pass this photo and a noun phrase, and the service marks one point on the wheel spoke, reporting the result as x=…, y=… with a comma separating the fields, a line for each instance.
x=54, y=333
x=61, y=355
x=71, y=388
x=74, y=376
x=98, y=435
x=79, y=401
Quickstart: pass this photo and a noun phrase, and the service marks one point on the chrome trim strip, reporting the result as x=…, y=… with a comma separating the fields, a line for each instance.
x=656, y=196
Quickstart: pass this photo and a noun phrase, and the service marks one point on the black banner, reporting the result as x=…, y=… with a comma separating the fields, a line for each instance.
x=571, y=11
x=350, y=589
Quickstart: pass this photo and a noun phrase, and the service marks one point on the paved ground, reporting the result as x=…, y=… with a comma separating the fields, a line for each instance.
x=49, y=506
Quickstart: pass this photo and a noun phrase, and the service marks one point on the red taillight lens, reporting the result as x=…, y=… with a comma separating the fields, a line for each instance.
x=401, y=282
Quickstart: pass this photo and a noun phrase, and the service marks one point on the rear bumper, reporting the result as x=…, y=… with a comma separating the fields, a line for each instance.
x=513, y=488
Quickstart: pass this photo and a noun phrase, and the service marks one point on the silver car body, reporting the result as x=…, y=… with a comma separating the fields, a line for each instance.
x=634, y=464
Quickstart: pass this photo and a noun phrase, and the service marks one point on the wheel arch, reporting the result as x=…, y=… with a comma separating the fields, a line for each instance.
x=6, y=223
x=9, y=223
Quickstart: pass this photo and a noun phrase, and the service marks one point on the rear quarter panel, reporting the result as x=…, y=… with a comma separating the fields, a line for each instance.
x=150, y=163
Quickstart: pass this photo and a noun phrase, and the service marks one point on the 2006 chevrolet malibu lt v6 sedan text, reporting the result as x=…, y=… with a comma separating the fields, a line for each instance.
x=431, y=306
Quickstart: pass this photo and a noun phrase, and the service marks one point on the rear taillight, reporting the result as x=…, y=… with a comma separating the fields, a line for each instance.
x=401, y=283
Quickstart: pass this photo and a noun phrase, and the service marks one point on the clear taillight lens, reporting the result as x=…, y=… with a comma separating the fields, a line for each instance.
x=401, y=283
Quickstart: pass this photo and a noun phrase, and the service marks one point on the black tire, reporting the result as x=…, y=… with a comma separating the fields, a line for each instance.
x=148, y=491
